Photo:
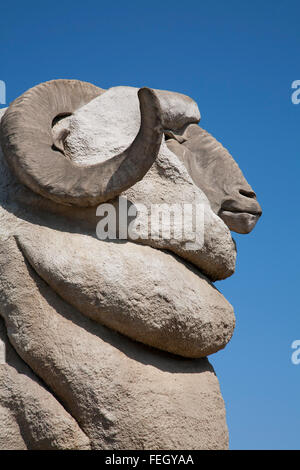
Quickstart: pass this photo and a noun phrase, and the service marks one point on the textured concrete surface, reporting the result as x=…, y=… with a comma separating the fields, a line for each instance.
x=30, y=416
x=104, y=128
x=105, y=341
x=122, y=394
x=149, y=296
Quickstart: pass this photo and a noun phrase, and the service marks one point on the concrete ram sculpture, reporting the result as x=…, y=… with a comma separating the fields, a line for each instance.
x=106, y=338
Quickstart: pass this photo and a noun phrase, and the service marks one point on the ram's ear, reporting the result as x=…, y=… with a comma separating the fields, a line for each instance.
x=27, y=140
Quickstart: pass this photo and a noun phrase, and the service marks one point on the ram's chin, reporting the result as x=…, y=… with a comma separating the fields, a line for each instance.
x=240, y=222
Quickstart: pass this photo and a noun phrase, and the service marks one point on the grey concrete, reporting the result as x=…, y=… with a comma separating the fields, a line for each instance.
x=106, y=341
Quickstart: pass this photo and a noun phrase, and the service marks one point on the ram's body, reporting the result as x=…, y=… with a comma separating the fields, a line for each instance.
x=83, y=312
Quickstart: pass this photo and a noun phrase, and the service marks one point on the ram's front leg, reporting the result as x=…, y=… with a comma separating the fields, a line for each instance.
x=30, y=416
x=41, y=329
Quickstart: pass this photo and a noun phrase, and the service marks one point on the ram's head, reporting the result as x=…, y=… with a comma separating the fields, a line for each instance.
x=74, y=146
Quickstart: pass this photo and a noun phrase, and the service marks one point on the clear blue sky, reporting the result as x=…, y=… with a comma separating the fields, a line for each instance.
x=237, y=59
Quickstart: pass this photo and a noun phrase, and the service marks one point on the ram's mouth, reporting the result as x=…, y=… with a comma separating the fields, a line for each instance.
x=240, y=222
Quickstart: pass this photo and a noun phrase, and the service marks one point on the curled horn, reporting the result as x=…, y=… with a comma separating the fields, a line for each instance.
x=27, y=143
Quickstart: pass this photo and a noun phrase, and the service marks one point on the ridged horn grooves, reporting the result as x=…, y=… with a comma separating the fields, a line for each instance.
x=27, y=143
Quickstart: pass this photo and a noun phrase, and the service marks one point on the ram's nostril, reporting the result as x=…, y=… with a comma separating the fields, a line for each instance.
x=250, y=194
